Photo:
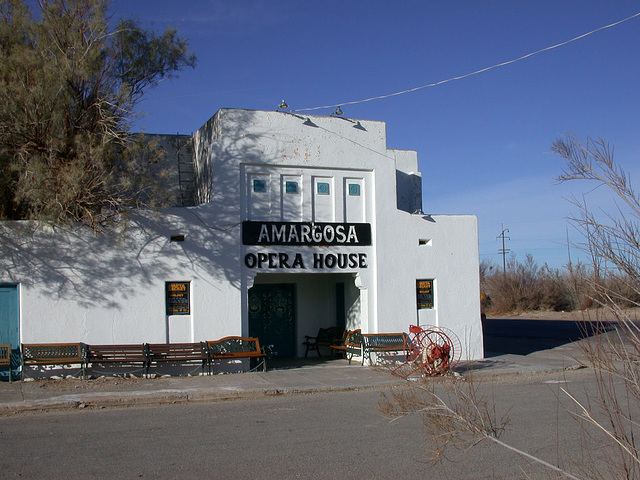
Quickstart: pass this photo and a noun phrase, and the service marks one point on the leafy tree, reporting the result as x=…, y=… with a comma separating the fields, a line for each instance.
x=71, y=85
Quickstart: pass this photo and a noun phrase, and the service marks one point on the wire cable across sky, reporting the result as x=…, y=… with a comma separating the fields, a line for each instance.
x=460, y=77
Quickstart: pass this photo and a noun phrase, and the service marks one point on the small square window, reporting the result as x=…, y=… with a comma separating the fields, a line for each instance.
x=354, y=189
x=323, y=188
x=259, y=186
x=291, y=187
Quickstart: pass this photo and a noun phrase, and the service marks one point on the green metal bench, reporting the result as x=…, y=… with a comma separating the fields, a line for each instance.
x=383, y=343
x=5, y=357
x=234, y=348
x=352, y=345
x=39, y=354
x=364, y=345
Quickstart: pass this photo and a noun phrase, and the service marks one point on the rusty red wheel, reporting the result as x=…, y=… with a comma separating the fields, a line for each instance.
x=434, y=350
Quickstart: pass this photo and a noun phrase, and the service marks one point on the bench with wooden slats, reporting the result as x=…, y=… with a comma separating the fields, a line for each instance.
x=5, y=358
x=127, y=354
x=179, y=353
x=39, y=354
x=5, y=355
x=381, y=343
x=352, y=345
x=233, y=348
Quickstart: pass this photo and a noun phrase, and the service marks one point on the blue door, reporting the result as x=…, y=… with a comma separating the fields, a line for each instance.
x=9, y=324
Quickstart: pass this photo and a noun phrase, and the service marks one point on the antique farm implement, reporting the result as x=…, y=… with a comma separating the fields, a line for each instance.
x=429, y=351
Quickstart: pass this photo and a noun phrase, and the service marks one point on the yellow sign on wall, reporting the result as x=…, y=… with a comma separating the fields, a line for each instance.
x=177, y=298
x=424, y=293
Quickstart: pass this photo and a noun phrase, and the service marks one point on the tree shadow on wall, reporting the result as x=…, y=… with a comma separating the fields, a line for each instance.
x=74, y=263
x=104, y=270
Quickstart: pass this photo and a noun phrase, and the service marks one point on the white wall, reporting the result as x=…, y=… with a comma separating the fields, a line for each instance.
x=79, y=287
x=76, y=286
x=275, y=144
x=449, y=256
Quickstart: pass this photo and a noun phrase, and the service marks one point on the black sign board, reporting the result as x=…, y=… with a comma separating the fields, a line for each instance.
x=306, y=233
x=424, y=293
x=177, y=298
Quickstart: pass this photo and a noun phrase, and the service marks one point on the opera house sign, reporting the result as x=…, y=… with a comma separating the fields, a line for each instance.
x=306, y=234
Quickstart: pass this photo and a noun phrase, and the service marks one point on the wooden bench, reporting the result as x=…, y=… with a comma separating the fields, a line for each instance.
x=130, y=354
x=5, y=355
x=232, y=348
x=351, y=345
x=326, y=337
x=179, y=353
x=54, y=354
x=5, y=358
x=381, y=343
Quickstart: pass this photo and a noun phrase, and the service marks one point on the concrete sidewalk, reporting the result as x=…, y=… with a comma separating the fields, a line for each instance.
x=327, y=376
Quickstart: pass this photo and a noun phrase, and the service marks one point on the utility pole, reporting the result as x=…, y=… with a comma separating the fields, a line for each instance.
x=504, y=250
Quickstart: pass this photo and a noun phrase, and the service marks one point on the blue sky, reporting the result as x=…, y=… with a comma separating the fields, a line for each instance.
x=483, y=142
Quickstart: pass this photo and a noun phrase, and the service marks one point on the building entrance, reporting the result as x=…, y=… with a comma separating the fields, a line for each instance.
x=283, y=309
x=272, y=317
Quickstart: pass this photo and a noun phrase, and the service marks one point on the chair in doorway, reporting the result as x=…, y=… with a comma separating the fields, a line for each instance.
x=326, y=337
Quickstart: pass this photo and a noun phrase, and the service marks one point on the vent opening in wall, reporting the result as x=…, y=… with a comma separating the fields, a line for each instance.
x=424, y=241
x=177, y=238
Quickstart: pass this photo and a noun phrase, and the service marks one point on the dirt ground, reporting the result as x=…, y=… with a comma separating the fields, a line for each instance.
x=592, y=315
x=72, y=383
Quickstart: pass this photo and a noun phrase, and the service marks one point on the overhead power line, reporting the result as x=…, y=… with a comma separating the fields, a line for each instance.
x=482, y=70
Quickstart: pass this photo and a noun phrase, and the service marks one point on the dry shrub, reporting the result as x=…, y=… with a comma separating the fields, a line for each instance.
x=612, y=410
x=524, y=287
x=454, y=414
x=579, y=279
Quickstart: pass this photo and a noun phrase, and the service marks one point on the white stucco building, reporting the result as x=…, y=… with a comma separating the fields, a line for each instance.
x=297, y=223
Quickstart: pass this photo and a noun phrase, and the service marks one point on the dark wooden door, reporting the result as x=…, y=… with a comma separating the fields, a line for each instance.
x=272, y=317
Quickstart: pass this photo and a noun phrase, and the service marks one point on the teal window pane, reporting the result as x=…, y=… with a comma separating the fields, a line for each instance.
x=323, y=188
x=354, y=189
x=259, y=186
x=291, y=187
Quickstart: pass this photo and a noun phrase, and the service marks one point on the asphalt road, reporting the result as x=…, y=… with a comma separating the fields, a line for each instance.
x=320, y=435
x=313, y=436
x=522, y=336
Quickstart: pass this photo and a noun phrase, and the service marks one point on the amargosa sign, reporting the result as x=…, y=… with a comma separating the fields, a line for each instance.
x=306, y=233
